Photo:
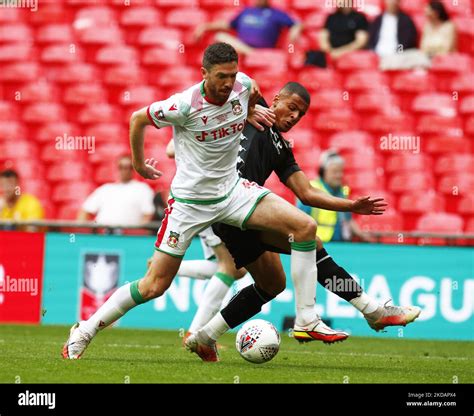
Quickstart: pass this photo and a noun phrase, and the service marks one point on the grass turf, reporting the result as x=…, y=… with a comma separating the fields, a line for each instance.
x=31, y=354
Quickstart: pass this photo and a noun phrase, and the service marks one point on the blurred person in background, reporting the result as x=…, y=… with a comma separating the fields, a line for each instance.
x=439, y=33
x=345, y=30
x=332, y=225
x=259, y=26
x=126, y=202
x=393, y=31
x=16, y=205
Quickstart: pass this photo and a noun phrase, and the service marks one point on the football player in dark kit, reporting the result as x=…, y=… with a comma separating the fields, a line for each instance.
x=263, y=152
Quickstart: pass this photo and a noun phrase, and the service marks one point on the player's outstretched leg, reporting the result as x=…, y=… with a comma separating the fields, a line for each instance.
x=158, y=278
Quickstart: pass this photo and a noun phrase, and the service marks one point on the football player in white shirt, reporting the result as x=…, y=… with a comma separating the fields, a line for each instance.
x=207, y=121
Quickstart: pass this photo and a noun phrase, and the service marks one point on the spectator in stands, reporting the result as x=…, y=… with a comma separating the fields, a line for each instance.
x=439, y=32
x=345, y=30
x=16, y=205
x=333, y=226
x=393, y=31
x=126, y=202
x=257, y=27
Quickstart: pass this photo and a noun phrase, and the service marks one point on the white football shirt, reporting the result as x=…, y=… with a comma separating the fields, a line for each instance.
x=206, y=138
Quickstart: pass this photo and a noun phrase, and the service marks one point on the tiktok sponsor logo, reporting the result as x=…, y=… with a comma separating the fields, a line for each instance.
x=220, y=133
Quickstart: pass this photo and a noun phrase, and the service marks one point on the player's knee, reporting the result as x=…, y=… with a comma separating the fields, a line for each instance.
x=306, y=229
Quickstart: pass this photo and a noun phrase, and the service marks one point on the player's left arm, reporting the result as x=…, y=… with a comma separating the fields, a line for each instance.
x=299, y=183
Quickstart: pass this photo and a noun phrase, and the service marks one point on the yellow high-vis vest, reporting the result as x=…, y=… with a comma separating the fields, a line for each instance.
x=325, y=219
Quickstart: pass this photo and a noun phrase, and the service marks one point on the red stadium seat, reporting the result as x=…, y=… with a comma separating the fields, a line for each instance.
x=67, y=171
x=408, y=84
x=99, y=113
x=158, y=36
x=466, y=205
x=316, y=79
x=409, y=163
x=50, y=153
x=49, y=132
x=185, y=18
x=37, y=187
x=470, y=226
x=440, y=223
x=469, y=127
x=17, y=149
x=70, y=192
x=99, y=36
x=333, y=121
x=364, y=60
x=361, y=161
x=78, y=72
x=68, y=211
x=459, y=184
x=38, y=91
x=462, y=83
x=366, y=80
x=314, y=20
x=413, y=205
x=435, y=103
x=140, y=17
x=444, y=145
x=262, y=57
x=451, y=63
x=455, y=163
x=16, y=52
x=177, y=77
x=414, y=181
x=435, y=124
x=386, y=123
x=14, y=32
x=465, y=32
x=363, y=180
x=19, y=72
x=43, y=112
x=159, y=56
x=117, y=55
x=389, y=221
x=305, y=5
x=94, y=16
x=176, y=3
x=138, y=96
x=61, y=54
x=11, y=15
x=108, y=151
x=55, y=33
x=11, y=130
x=8, y=111
x=80, y=94
x=108, y=132
x=354, y=139
x=460, y=7
x=106, y=172
x=467, y=105
x=123, y=75
x=376, y=102
x=329, y=100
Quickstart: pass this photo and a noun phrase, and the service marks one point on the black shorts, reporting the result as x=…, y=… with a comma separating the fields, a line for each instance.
x=244, y=245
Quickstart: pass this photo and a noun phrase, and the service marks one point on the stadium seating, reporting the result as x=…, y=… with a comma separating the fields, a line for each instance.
x=78, y=68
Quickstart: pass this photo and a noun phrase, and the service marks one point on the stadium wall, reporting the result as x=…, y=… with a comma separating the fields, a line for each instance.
x=78, y=272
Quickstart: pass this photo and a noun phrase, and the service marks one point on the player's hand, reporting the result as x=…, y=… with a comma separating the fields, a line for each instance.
x=369, y=206
x=263, y=115
x=255, y=94
x=149, y=169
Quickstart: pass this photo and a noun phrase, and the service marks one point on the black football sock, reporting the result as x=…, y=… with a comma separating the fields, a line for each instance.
x=245, y=304
x=336, y=279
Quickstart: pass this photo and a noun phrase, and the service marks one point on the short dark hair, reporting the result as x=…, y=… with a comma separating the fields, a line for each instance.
x=439, y=9
x=9, y=173
x=219, y=53
x=296, y=88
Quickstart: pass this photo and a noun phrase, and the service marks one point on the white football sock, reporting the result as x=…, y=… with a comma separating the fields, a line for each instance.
x=215, y=328
x=211, y=300
x=122, y=300
x=197, y=269
x=304, y=274
x=364, y=303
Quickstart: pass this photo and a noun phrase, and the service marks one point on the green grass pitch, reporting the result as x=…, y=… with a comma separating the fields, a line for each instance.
x=31, y=354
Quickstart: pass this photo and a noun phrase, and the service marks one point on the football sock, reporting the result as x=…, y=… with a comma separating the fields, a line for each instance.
x=245, y=304
x=197, y=269
x=122, y=300
x=211, y=300
x=335, y=279
x=304, y=275
x=365, y=304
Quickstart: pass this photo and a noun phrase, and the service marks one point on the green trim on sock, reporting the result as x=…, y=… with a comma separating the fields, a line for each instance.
x=303, y=245
x=136, y=295
x=227, y=279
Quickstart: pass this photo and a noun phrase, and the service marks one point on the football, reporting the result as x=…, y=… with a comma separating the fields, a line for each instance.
x=258, y=341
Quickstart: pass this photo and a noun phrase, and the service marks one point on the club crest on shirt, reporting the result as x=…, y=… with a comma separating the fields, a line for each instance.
x=159, y=114
x=236, y=107
x=173, y=239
